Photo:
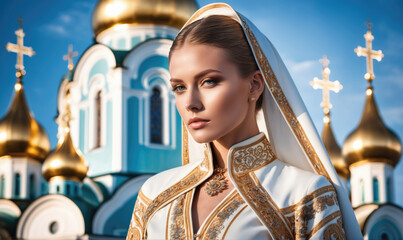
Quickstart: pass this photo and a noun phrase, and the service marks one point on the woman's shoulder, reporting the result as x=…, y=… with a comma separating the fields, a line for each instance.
x=163, y=180
x=288, y=185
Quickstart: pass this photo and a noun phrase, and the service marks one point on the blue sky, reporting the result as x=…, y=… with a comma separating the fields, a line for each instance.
x=302, y=32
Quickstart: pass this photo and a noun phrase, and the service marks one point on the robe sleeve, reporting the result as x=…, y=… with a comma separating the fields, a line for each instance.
x=317, y=215
x=136, y=229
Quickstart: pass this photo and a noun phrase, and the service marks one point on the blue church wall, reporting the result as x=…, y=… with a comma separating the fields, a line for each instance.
x=118, y=223
x=151, y=62
x=100, y=159
x=147, y=159
x=100, y=67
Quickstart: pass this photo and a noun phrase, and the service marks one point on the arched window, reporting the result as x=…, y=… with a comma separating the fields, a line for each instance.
x=156, y=116
x=67, y=190
x=389, y=191
x=2, y=186
x=17, y=189
x=375, y=187
x=57, y=189
x=98, y=119
x=362, y=191
x=32, y=184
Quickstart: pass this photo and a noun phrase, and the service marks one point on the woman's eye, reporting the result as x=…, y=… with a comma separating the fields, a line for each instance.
x=178, y=89
x=209, y=82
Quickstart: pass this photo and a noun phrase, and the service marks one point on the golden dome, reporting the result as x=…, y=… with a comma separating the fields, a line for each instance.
x=333, y=149
x=65, y=161
x=372, y=141
x=174, y=13
x=20, y=134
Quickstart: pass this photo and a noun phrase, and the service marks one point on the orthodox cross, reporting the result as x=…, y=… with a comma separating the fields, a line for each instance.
x=369, y=53
x=20, y=50
x=326, y=85
x=69, y=57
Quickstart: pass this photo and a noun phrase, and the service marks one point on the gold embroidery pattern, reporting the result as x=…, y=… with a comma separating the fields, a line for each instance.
x=300, y=214
x=253, y=156
x=262, y=204
x=325, y=221
x=136, y=224
x=282, y=102
x=334, y=231
x=185, y=145
x=308, y=198
x=190, y=180
x=225, y=212
x=176, y=227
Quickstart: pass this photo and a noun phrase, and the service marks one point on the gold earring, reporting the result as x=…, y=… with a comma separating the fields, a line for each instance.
x=252, y=99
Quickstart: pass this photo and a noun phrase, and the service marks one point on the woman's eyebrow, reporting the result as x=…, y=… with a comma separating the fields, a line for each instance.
x=205, y=72
x=198, y=76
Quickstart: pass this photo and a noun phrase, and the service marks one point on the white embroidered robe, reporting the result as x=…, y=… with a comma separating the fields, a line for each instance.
x=270, y=200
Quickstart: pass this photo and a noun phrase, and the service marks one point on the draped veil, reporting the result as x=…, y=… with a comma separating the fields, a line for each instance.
x=283, y=117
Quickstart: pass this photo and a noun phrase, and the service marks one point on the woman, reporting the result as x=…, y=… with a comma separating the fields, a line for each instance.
x=254, y=167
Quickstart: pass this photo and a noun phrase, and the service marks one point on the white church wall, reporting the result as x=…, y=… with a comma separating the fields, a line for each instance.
x=366, y=173
x=126, y=37
x=51, y=217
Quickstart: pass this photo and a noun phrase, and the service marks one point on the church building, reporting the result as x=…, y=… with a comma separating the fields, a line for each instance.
x=118, y=125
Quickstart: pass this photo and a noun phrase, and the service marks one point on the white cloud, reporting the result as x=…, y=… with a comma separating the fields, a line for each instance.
x=56, y=29
x=74, y=22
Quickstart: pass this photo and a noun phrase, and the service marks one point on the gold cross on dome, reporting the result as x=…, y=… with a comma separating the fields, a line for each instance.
x=326, y=85
x=369, y=53
x=20, y=50
x=69, y=57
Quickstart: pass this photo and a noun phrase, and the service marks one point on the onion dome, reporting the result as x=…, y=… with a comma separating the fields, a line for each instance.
x=173, y=13
x=65, y=161
x=333, y=149
x=20, y=134
x=372, y=140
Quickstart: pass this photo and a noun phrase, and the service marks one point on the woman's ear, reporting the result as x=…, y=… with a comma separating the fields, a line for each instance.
x=256, y=85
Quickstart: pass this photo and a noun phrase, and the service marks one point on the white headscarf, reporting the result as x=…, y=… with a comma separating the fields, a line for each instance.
x=283, y=118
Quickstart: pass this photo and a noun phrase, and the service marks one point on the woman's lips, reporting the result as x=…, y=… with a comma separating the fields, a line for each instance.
x=197, y=123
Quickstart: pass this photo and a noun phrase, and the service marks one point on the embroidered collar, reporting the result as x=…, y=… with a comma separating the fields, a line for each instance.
x=250, y=155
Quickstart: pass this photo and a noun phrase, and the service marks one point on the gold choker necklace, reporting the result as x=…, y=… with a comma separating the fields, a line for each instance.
x=218, y=183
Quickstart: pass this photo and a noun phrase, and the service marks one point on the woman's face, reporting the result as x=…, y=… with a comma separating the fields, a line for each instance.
x=211, y=96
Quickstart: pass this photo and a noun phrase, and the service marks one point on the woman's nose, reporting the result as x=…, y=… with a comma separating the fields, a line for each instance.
x=193, y=103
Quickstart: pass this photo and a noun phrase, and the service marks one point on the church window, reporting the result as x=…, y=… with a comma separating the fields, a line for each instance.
x=362, y=191
x=375, y=189
x=156, y=116
x=98, y=120
x=2, y=186
x=389, y=191
x=32, y=184
x=57, y=189
x=67, y=189
x=17, y=189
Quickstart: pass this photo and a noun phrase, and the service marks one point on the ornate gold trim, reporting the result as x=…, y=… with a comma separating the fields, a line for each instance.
x=323, y=223
x=144, y=198
x=282, y=102
x=307, y=198
x=252, y=157
x=214, y=223
x=264, y=207
x=232, y=220
x=185, y=145
x=193, y=178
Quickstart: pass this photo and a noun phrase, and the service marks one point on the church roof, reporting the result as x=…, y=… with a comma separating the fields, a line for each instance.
x=20, y=134
x=372, y=140
x=173, y=13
